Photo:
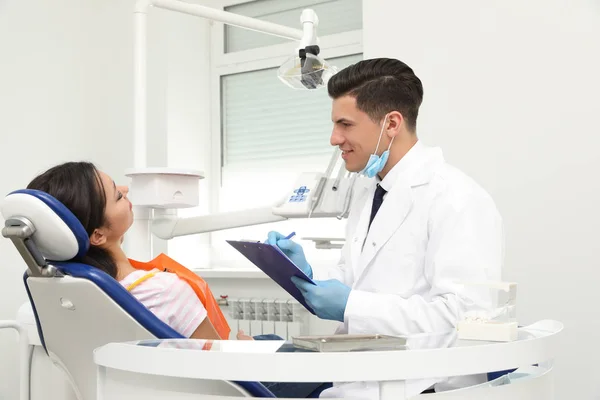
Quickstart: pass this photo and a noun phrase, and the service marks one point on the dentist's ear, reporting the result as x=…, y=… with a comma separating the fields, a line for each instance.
x=394, y=124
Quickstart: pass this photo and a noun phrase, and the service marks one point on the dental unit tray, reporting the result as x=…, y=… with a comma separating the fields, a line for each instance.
x=339, y=343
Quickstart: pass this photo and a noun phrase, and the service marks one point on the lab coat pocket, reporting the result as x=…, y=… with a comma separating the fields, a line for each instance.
x=400, y=263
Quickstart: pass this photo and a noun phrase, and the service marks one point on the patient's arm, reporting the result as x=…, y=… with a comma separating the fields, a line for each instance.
x=242, y=336
x=206, y=330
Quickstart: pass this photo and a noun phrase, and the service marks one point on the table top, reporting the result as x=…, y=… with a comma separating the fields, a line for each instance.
x=426, y=356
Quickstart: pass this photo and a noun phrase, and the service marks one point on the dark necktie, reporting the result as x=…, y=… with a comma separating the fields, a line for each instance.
x=377, y=200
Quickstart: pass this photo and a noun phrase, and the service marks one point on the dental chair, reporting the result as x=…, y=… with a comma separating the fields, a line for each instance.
x=77, y=307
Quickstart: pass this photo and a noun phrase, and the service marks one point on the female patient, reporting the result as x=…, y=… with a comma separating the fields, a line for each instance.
x=106, y=214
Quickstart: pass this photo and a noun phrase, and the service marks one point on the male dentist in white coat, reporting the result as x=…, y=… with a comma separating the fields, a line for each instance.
x=418, y=229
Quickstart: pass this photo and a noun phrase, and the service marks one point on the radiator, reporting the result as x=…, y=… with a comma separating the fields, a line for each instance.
x=285, y=318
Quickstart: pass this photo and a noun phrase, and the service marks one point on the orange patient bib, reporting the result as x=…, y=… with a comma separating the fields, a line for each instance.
x=200, y=287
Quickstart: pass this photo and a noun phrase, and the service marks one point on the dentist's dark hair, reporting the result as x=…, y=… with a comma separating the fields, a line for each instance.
x=77, y=185
x=380, y=86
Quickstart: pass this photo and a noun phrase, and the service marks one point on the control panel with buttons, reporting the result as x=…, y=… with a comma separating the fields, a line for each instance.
x=299, y=195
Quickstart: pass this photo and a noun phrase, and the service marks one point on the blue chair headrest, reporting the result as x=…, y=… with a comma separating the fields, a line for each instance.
x=58, y=233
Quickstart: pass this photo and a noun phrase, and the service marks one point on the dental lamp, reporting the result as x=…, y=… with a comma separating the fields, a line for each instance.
x=157, y=192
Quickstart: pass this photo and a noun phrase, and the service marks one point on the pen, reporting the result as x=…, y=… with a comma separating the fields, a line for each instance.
x=291, y=235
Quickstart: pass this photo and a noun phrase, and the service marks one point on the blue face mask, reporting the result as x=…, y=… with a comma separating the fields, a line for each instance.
x=376, y=163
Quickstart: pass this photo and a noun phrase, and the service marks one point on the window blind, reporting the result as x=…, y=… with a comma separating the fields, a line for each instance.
x=265, y=121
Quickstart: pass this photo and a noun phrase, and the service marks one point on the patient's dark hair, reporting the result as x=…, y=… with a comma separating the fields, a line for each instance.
x=380, y=85
x=77, y=185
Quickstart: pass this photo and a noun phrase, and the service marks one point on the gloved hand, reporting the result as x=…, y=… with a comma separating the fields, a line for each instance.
x=327, y=298
x=292, y=250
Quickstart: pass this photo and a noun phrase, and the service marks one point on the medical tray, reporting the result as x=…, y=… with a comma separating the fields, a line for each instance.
x=338, y=343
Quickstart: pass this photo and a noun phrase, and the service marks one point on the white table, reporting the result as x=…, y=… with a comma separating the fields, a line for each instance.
x=188, y=369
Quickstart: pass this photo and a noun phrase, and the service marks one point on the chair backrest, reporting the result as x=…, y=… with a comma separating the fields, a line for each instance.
x=77, y=307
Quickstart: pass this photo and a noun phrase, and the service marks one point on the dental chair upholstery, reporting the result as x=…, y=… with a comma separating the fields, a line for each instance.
x=77, y=307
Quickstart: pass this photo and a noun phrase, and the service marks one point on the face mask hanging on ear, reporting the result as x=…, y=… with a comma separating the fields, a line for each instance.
x=376, y=163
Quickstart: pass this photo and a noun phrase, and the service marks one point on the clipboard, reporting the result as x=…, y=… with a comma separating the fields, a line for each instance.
x=273, y=262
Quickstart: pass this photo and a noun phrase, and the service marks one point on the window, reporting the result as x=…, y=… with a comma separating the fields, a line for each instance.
x=264, y=122
x=268, y=134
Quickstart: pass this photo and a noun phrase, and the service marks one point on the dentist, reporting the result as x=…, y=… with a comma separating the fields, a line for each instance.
x=415, y=231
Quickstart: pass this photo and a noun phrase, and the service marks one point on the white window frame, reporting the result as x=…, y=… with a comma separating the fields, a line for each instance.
x=221, y=63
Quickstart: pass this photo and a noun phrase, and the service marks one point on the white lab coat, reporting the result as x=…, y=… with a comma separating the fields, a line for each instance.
x=436, y=227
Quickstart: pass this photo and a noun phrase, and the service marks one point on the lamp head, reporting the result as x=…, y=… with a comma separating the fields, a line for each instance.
x=306, y=70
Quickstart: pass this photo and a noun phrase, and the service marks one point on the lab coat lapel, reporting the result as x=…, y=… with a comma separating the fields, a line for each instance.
x=389, y=218
x=396, y=206
x=361, y=226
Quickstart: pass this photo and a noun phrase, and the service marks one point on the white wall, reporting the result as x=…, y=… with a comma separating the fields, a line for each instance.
x=512, y=95
x=65, y=94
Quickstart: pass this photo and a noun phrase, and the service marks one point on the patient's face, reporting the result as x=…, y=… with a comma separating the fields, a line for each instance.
x=119, y=211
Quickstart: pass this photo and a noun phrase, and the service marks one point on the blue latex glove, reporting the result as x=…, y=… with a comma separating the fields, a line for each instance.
x=327, y=298
x=292, y=250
